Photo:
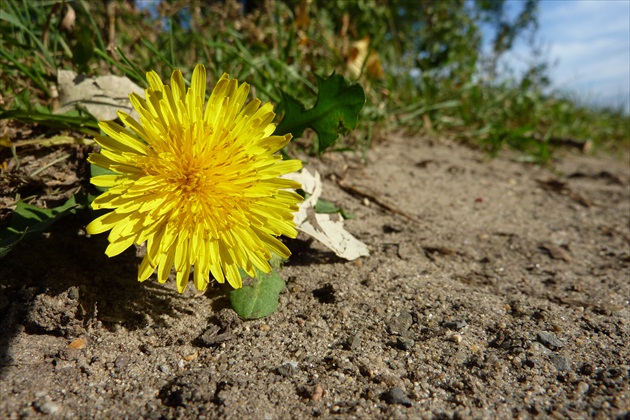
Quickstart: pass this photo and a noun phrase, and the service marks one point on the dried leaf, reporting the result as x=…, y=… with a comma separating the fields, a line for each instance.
x=301, y=14
x=102, y=96
x=556, y=252
x=45, y=142
x=562, y=187
x=358, y=55
x=322, y=226
x=69, y=20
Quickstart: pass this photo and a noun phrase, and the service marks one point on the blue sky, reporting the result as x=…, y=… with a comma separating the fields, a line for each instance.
x=588, y=44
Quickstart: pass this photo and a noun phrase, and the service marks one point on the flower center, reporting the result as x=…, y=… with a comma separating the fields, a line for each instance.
x=192, y=181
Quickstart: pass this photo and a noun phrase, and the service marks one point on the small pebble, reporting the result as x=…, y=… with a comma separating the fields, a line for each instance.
x=587, y=369
x=318, y=393
x=73, y=293
x=77, y=344
x=287, y=369
x=146, y=349
x=49, y=408
x=396, y=396
x=44, y=404
x=582, y=388
x=404, y=343
x=550, y=340
x=121, y=361
x=455, y=325
x=401, y=323
x=560, y=362
x=353, y=343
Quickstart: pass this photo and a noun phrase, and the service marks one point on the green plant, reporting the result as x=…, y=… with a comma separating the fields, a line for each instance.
x=404, y=65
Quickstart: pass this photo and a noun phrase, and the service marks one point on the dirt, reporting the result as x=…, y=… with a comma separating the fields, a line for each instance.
x=494, y=289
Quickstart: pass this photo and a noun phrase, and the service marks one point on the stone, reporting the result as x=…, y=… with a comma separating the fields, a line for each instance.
x=550, y=340
x=396, y=395
x=400, y=324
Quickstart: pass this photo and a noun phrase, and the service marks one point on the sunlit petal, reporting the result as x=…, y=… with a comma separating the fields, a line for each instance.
x=198, y=182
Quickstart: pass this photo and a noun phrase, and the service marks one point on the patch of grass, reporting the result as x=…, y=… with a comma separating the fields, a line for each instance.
x=285, y=50
x=279, y=49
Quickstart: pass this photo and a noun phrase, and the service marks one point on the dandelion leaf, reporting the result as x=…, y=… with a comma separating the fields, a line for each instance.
x=28, y=221
x=73, y=120
x=261, y=298
x=96, y=170
x=328, y=207
x=336, y=111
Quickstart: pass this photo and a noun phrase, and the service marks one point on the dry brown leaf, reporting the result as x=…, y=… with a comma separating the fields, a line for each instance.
x=102, y=96
x=358, y=55
x=301, y=14
x=321, y=226
x=69, y=19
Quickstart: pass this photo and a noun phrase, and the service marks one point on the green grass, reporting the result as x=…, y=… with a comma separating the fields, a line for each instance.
x=282, y=58
x=274, y=53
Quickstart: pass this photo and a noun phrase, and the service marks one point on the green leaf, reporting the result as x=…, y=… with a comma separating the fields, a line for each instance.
x=328, y=207
x=83, y=49
x=96, y=170
x=336, y=111
x=28, y=221
x=260, y=299
x=40, y=115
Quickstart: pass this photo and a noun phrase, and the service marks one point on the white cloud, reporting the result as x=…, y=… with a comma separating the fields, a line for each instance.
x=587, y=44
x=591, y=42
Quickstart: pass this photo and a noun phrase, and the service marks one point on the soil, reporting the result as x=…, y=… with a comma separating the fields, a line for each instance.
x=494, y=289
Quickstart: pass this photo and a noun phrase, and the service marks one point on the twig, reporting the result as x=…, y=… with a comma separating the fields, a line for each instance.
x=43, y=168
x=363, y=192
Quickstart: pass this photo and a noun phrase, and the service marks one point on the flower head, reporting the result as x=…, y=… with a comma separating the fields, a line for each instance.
x=201, y=185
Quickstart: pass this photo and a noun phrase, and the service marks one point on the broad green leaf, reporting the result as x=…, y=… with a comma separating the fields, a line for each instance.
x=328, y=207
x=335, y=112
x=28, y=221
x=260, y=299
x=96, y=171
x=40, y=115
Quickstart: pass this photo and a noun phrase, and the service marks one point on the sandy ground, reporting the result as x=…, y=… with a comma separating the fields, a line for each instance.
x=494, y=289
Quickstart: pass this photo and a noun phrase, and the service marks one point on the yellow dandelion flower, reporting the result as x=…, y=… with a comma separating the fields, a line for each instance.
x=200, y=185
